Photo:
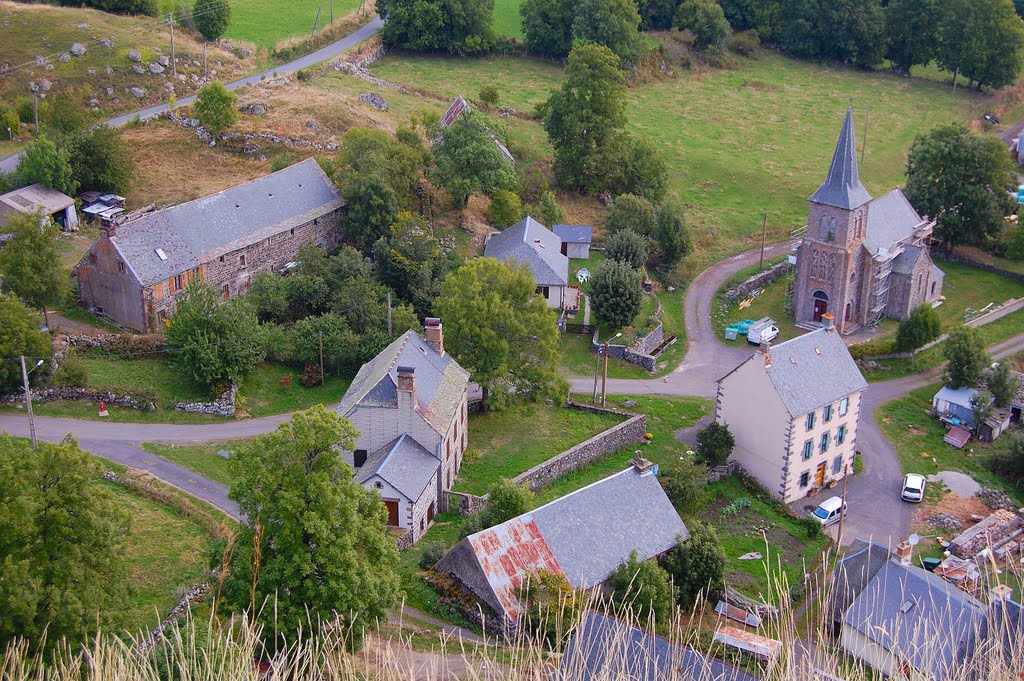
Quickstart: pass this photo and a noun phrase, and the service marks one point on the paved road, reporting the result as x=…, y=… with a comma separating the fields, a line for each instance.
x=9, y=163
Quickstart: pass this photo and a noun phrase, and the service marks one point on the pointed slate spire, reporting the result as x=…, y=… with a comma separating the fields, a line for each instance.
x=842, y=187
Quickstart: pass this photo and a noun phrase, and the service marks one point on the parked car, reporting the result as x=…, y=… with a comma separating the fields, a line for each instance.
x=913, y=487
x=828, y=511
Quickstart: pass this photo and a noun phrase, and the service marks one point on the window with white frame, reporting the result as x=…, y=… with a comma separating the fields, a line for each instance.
x=844, y=406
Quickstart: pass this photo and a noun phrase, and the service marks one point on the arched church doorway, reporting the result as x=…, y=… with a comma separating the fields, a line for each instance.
x=820, y=304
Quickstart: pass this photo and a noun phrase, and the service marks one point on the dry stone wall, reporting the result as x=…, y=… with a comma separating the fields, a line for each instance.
x=222, y=406
x=136, y=402
x=991, y=531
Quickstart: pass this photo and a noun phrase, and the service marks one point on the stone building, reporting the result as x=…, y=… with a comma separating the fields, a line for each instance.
x=532, y=245
x=793, y=411
x=135, y=271
x=863, y=258
x=410, y=405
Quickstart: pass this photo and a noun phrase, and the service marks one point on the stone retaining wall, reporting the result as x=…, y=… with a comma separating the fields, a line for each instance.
x=465, y=504
x=759, y=280
x=991, y=531
x=222, y=406
x=963, y=260
x=136, y=402
x=637, y=352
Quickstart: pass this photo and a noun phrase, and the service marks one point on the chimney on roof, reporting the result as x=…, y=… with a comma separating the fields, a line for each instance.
x=434, y=333
x=766, y=350
x=407, y=379
x=642, y=465
x=108, y=230
x=827, y=321
x=903, y=552
x=1000, y=592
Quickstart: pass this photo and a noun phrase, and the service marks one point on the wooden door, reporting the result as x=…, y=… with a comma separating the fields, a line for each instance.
x=819, y=477
x=820, y=308
x=392, y=507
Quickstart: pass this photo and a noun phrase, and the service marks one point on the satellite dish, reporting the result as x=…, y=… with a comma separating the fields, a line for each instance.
x=914, y=539
x=583, y=275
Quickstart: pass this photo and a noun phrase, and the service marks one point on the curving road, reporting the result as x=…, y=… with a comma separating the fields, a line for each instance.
x=9, y=163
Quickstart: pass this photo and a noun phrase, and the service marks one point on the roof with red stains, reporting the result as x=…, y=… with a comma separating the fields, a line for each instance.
x=583, y=536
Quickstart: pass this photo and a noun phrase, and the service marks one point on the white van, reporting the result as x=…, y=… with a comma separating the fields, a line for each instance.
x=762, y=331
x=828, y=511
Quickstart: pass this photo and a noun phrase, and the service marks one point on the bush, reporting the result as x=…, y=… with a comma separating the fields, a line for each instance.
x=706, y=20
x=489, y=95
x=627, y=247
x=72, y=372
x=1015, y=247
x=616, y=293
x=879, y=346
x=433, y=551
x=505, y=501
x=505, y=209
x=304, y=75
x=551, y=606
x=696, y=565
x=631, y=212
x=685, y=483
x=922, y=326
x=745, y=43
x=715, y=443
x=644, y=587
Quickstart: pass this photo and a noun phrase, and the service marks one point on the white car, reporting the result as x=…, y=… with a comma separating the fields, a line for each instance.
x=829, y=511
x=913, y=488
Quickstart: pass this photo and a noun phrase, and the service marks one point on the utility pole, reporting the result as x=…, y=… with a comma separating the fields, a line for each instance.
x=864, y=144
x=597, y=370
x=321, y=358
x=389, y=315
x=35, y=110
x=842, y=512
x=332, y=12
x=174, y=68
x=764, y=235
x=604, y=379
x=316, y=22
x=28, y=404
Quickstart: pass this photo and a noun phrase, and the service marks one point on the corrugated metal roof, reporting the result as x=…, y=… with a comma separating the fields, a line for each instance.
x=197, y=231
x=531, y=244
x=37, y=197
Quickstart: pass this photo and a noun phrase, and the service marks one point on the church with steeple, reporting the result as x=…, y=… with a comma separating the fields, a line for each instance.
x=862, y=258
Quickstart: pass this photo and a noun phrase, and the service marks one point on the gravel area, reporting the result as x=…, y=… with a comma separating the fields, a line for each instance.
x=960, y=483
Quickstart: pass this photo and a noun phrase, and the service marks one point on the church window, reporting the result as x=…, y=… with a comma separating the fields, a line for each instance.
x=920, y=282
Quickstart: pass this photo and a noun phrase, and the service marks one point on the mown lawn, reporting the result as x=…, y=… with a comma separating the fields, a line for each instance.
x=199, y=457
x=917, y=438
x=506, y=443
x=164, y=552
x=265, y=24
x=739, y=141
x=507, y=20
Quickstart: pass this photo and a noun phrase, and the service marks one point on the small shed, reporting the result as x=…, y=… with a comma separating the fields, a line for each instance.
x=957, y=437
x=995, y=425
x=955, y=406
x=36, y=197
x=576, y=239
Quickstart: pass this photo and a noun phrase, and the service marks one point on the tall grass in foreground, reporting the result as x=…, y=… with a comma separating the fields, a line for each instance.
x=215, y=650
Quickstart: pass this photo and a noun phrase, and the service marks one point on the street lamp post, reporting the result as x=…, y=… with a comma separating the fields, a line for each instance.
x=28, y=400
x=604, y=380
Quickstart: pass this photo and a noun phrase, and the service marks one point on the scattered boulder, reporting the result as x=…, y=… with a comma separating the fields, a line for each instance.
x=375, y=100
x=163, y=60
x=946, y=522
x=64, y=58
x=249, y=148
x=92, y=72
x=137, y=92
x=195, y=63
x=134, y=55
x=78, y=49
x=42, y=85
x=157, y=50
x=254, y=108
x=106, y=43
x=168, y=87
x=137, y=68
x=181, y=77
x=109, y=70
x=41, y=60
x=155, y=68
x=49, y=67
x=5, y=66
x=115, y=101
x=84, y=27
x=110, y=92
x=311, y=125
x=93, y=103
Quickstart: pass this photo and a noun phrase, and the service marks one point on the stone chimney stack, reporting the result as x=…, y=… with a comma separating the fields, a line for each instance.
x=903, y=552
x=1001, y=592
x=642, y=465
x=766, y=350
x=434, y=334
x=109, y=229
x=407, y=379
x=827, y=322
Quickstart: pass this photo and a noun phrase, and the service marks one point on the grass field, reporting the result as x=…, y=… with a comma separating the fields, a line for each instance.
x=265, y=24
x=164, y=552
x=917, y=437
x=198, y=457
x=740, y=141
x=507, y=443
x=507, y=20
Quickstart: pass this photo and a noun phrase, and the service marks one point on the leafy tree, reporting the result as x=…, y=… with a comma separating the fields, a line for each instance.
x=506, y=208
x=340, y=345
x=1002, y=384
x=215, y=107
x=911, y=32
x=547, y=25
x=644, y=587
x=685, y=483
x=211, y=18
x=626, y=246
x=1010, y=463
x=468, y=161
x=458, y=26
x=851, y=31
x=19, y=335
x=584, y=115
x=64, y=117
x=633, y=213
x=981, y=405
x=706, y=20
x=1015, y=246
x=489, y=95
x=612, y=23
x=923, y=325
x=981, y=39
x=962, y=180
x=44, y=162
x=715, y=443
x=411, y=262
x=697, y=565
x=214, y=342
x=314, y=542
x=100, y=161
x=671, y=235
x=635, y=166
x=501, y=331
x=362, y=151
x=505, y=501
x=656, y=14
x=551, y=607
x=762, y=16
x=62, y=558
x=30, y=263
x=371, y=207
x=616, y=293
x=966, y=358
x=550, y=213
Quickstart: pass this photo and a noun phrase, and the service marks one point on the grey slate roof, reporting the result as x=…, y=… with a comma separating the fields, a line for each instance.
x=404, y=464
x=531, y=244
x=842, y=187
x=1004, y=629
x=574, y=234
x=891, y=219
x=905, y=261
x=195, y=232
x=813, y=370
x=920, y=617
x=440, y=381
x=853, y=572
x=604, y=648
